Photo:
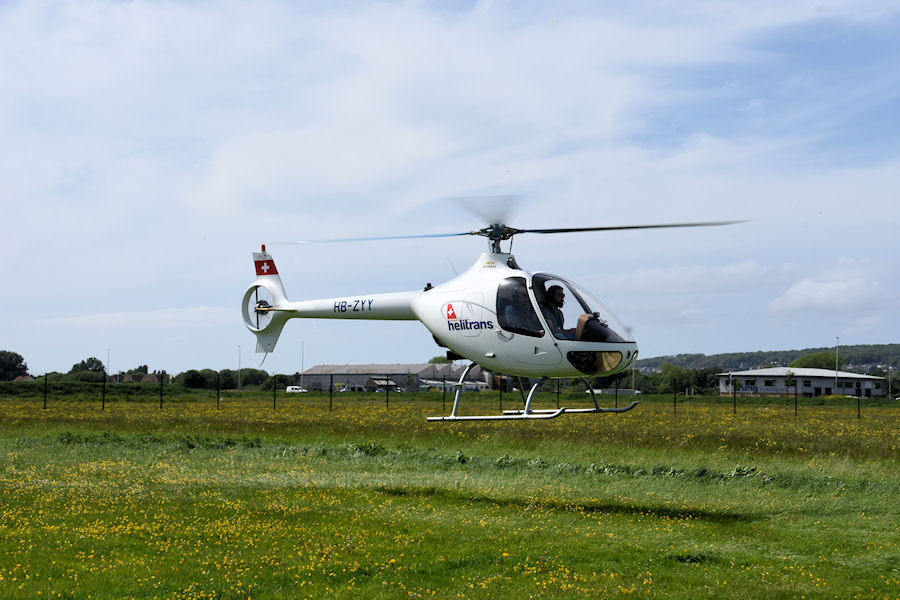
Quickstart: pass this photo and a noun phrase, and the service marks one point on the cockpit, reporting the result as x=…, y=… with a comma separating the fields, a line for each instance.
x=572, y=313
x=567, y=312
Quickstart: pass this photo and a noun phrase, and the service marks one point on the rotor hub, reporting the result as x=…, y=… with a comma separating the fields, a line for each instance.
x=496, y=233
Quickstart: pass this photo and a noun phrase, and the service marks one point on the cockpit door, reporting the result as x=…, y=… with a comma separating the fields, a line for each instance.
x=522, y=336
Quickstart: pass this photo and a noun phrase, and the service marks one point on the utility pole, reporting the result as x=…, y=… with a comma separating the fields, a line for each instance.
x=890, y=376
x=632, y=377
x=837, y=350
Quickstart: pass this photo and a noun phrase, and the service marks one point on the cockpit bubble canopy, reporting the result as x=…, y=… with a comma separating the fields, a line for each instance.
x=573, y=313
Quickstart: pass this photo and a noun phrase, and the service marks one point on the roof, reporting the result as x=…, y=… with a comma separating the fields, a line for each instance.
x=370, y=369
x=797, y=372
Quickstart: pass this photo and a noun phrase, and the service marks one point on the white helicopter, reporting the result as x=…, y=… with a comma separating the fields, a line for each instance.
x=495, y=314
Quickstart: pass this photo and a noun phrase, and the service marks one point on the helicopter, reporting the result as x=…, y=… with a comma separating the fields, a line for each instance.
x=495, y=314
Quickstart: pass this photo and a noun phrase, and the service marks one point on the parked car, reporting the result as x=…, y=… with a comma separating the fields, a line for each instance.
x=295, y=389
x=353, y=388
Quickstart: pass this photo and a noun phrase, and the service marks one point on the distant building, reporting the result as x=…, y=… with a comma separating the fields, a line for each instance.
x=411, y=377
x=24, y=378
x=810, y=383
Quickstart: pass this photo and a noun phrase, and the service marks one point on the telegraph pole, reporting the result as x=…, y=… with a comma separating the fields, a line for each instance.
x=890, y=376
x=837, y=350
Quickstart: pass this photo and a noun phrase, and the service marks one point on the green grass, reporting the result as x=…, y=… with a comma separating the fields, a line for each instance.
x=360, y=501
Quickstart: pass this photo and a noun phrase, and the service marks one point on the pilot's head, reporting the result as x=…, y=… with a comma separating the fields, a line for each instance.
x=557, y=296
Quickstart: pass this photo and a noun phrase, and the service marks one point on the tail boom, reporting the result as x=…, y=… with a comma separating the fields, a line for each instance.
x=392, y=306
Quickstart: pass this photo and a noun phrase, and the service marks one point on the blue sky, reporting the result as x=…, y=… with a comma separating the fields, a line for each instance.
x=149, y=147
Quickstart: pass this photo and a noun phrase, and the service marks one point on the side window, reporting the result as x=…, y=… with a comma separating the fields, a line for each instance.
x=559, y=305
x=514, y=309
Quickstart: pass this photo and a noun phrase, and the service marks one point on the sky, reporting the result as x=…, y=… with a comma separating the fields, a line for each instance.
x=146, y=148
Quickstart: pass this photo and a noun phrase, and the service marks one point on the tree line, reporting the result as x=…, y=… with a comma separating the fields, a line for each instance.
x=865, y=355
x=665, y=379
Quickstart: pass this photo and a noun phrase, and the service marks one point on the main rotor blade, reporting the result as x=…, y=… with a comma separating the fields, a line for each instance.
x=506, y=232
x=490, y=209
x=622, y=227
x=373, y=239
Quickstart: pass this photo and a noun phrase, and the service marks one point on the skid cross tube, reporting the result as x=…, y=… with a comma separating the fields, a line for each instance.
x=459, y=389
x=527, y=413
x=597, y=408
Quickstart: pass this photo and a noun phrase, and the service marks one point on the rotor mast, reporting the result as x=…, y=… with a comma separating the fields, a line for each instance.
x=496, y=233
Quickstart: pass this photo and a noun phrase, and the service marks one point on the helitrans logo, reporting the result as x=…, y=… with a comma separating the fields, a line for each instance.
x=454, y=323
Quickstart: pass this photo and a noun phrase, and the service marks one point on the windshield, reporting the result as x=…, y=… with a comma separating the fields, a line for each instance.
x=572, y=313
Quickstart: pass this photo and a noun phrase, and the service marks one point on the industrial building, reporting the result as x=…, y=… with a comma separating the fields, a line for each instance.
x=809, y=383
x=374, y=377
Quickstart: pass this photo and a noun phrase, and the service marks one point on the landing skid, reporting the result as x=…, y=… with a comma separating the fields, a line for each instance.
x=506, y=416
x=569, y=411
x=527, y=412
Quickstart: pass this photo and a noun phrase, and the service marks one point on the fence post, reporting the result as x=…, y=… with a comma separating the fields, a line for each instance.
x=103, y=401
x=444, y=396
x=161, y=375
x=858, y=398
x=218, y=390
x=45, y=391
x=387, y=393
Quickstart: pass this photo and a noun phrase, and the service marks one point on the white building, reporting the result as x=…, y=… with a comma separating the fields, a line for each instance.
x=809, y=382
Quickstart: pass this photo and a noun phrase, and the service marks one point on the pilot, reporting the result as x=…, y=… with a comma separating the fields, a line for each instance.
x=552, y=310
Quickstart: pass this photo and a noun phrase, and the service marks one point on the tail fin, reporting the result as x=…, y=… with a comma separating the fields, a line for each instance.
x=264, y=307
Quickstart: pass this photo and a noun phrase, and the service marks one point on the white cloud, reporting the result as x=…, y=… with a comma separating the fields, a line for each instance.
x=853, y=293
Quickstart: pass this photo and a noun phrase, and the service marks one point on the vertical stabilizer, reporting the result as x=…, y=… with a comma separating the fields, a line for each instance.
x=264, y=306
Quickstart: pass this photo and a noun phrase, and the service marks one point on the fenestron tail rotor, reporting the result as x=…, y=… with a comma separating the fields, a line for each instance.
x=260, y=307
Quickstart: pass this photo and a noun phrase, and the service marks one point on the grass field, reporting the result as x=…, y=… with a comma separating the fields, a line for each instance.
x=189, y=501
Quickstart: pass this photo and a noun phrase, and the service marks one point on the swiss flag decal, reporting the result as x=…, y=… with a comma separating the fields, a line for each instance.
x=265, y=267
x=451, y=314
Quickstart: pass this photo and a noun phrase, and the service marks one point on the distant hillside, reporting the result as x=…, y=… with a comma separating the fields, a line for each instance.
x=860, y=358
